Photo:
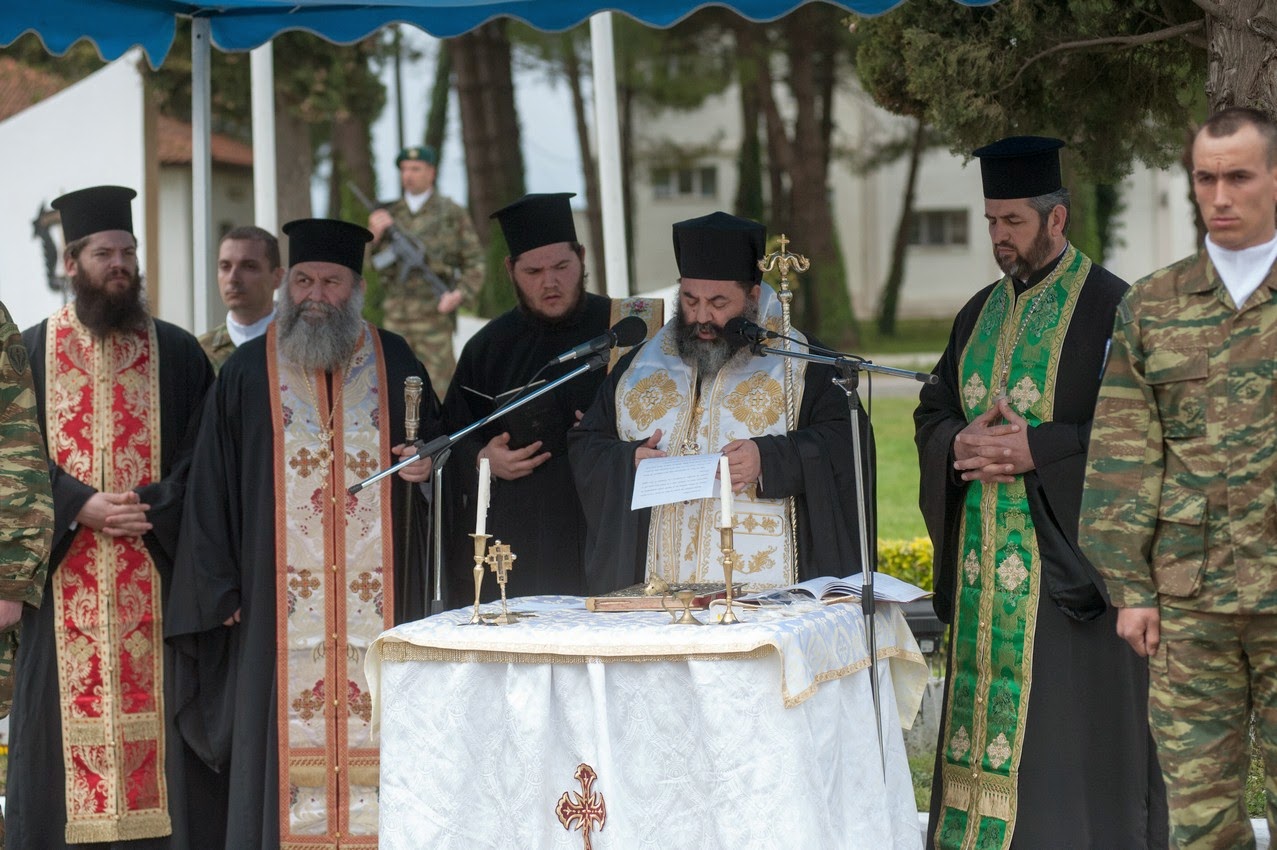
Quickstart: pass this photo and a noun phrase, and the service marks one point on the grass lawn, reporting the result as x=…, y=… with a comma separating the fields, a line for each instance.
x=898, y=516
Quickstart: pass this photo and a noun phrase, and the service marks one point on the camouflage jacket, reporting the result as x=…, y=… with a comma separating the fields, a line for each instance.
x=26, y=501
x=218, y=345
x=452, y=248
x=1179, y=505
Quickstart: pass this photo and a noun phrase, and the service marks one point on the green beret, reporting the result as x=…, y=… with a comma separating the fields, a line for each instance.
x=420, y=153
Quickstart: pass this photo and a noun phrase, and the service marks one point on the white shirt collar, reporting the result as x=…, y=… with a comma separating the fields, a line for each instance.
x=241, y=334
x=416, y=201
x=1242, y=271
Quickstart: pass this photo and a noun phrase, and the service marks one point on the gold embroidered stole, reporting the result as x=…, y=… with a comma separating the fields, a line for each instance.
x=746, y=399
x=102, y=402
x=1000, y=574
x=334, y=589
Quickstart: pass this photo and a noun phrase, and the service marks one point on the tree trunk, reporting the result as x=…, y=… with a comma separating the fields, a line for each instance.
x=889, y=303
x=490, y=135
x=351, y=147
x=1241, y=64
x=749, y=161
x=589, y=167
x=437, y=116
x=294, y=163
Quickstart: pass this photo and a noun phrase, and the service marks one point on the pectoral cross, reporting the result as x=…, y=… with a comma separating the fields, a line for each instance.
x=582, y=811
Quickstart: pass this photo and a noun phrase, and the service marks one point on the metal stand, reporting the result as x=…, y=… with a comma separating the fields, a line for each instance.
x=849, y=368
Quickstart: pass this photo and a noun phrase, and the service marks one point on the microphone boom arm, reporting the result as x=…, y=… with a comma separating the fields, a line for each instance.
x=446, y=441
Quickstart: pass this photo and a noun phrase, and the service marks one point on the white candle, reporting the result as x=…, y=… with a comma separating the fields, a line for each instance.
x=481, y=505
x=725, y=493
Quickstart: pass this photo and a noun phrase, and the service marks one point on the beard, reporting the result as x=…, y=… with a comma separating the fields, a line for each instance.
x=709, y=355
x=1021, y=266
x=104, y=311
x=317, y=336
x=571, y=317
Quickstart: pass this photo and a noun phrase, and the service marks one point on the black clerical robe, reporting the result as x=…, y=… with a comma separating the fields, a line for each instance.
x=1088, y=774
x=812, y=463
x=538, y=515
x=35, y=807
x=226, y=676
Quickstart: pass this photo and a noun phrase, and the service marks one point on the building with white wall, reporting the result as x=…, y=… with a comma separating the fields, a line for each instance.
x=686, y=166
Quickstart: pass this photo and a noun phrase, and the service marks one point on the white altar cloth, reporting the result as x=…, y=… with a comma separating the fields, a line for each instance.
x=757, y=735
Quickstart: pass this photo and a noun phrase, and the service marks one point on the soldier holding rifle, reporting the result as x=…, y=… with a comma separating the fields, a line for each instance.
x=413, y=307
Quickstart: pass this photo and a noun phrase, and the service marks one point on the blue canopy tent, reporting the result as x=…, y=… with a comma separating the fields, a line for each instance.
x=114, y=26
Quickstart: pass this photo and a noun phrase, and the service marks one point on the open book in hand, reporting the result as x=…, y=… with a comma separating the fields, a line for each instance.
x=829, y=589
x=539, y=419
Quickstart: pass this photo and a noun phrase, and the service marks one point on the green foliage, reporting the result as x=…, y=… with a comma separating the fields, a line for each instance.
x=909, y=560
x=977, y=74
x=497, y=294
x=897, y=470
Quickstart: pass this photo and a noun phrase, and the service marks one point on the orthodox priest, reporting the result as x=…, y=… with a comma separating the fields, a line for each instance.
x=1044, y=740
x=283, y=578
x=692, y=390
x=534, y=506
x=94, y=760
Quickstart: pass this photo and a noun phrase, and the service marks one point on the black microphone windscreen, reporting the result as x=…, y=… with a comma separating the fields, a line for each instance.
x=629, y=331
x=735, y=326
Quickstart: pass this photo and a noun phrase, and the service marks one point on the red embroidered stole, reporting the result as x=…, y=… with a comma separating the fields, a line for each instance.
x=102, y=404
x=334, y=586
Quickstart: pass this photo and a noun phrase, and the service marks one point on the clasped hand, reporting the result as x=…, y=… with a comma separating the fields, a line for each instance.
x=994, y=447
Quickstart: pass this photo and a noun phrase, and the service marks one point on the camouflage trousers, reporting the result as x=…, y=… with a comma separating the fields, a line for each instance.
x=1207, y=675
x=427, y=331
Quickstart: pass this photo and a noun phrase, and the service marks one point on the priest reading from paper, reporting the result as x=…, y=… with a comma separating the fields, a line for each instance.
x=694, y=389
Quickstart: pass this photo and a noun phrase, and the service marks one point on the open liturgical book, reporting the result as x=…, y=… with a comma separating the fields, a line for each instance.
x=538, y=419
x=830, y=589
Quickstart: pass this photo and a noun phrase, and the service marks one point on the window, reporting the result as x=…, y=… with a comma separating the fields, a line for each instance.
x=701, y=182
x=939, y=227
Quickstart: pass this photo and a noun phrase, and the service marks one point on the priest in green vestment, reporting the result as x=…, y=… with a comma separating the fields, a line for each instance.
x=1044, y=738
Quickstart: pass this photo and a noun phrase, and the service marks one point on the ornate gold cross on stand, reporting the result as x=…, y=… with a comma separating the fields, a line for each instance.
x=501, y=560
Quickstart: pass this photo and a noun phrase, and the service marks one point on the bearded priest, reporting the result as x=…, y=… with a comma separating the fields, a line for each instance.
x=695, y=389
x=283, y=578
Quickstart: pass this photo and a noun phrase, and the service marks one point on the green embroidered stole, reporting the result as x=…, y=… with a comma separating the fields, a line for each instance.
x=999, y=576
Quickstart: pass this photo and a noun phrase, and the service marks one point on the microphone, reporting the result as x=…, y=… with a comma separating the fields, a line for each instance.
x=750, y=331
x=629, y=331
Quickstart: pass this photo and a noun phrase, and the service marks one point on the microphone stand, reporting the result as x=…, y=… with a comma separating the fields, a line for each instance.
x=444, y=442
x=849, y=368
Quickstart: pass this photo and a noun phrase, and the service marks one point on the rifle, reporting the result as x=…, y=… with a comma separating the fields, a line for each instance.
x=404, y=249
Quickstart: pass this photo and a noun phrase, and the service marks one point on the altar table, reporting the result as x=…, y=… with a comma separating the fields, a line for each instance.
x=754, y=735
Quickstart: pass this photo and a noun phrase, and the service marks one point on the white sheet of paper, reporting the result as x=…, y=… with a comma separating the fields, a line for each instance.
x=665, y=480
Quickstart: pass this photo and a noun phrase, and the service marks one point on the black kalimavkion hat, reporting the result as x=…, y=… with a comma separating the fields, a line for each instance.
x=1020, y=167
x=536, y=220
x=327, y=240
x=94, y=210
x=719, y=246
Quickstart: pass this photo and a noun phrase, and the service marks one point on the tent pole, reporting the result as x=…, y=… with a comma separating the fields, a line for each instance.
x=615, y=251
x=201, y=171
x=265, y=189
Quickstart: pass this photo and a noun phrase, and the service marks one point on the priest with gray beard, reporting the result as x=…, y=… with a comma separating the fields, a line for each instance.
x=691, y=390
x=283, y=578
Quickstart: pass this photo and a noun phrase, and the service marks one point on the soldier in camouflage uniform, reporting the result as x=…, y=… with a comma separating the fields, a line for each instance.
x=412, y=309
x=1180, y=507
x=26, y=502
x=248, y=274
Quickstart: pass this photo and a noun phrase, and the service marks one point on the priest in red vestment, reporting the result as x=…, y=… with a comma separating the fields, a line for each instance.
x=93, y=760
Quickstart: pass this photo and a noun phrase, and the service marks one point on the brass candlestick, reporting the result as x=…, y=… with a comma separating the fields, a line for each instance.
x=480, y=545
x=501, y=560
x=729, y=562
